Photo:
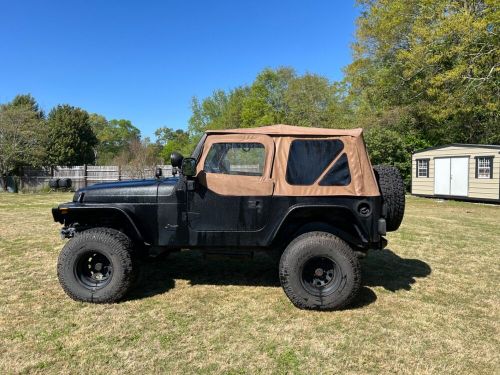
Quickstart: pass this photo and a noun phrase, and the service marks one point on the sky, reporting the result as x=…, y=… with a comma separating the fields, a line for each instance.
x=145, y=60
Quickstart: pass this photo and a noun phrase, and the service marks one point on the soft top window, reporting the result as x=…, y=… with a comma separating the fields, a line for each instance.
x=339, y=174
x=246, y=159
x=308, y=158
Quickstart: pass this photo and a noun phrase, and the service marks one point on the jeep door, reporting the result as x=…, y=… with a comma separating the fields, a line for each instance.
x=233, y=188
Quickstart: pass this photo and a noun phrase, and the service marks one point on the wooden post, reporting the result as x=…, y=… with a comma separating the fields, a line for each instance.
x=21, y=173
x=51, y=174
x=85, y=175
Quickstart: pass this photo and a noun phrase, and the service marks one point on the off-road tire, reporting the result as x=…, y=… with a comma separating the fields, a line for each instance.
x=319, y=245
x=54, y=183
x=392, y=188
x=114, y=245
x=65, y=183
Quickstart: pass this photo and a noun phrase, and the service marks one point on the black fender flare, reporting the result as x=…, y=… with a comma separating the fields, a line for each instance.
x=358, y=239
x=328, y=228
x=65, y=213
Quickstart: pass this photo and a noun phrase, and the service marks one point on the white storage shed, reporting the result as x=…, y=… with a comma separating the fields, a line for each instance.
x=457, y=171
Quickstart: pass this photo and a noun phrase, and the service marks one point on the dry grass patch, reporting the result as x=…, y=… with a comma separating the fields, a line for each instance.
x=430, y=304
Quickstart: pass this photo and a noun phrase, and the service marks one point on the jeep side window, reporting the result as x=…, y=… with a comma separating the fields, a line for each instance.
x=244, y=159
x=339, y=174
x=308, y=159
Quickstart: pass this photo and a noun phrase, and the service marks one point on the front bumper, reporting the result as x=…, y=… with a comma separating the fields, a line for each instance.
x=58, y=215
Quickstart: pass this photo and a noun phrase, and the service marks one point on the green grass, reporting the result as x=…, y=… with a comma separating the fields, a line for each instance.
x=429, y=304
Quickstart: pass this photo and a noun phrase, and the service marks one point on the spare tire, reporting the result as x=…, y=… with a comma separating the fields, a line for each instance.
x=54, y=183
x=65, y=183
x=392, y=189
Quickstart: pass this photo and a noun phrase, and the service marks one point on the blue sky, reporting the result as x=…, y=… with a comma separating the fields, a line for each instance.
x=145, y=60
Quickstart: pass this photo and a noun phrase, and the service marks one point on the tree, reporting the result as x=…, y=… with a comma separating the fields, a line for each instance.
x=113, y=136
x=170, y=140
x=265, y=102
x=98, y=124
x=139, y=159
x=210, y=113
x=393, y=137
x=71, y=140
x=28, y=101
x=21, y=138
x=440, y=56
x=275, y=96
x=312, y=100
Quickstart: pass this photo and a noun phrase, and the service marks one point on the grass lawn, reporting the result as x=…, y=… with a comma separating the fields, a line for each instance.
x=429, y=304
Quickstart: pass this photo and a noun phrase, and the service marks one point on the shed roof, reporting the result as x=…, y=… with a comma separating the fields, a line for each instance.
x=281, y=129
x=465, y=145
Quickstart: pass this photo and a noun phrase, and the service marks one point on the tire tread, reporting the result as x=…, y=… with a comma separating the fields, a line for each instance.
x=392, y=188
x=120, y=245
x=310, y=238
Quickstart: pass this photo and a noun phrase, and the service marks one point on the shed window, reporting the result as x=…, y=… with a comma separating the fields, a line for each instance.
x=422, y=167
x=484, y=167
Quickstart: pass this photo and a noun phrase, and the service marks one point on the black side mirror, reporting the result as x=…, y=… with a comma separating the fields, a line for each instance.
x=189, y=167
x=158, y=172
x=176, y=159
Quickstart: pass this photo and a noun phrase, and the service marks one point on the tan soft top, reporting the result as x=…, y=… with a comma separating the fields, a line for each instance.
x=284, y=130
x=277, y=140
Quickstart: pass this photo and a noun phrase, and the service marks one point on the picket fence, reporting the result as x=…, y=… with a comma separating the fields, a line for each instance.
x=84, y=175
x=35, y=179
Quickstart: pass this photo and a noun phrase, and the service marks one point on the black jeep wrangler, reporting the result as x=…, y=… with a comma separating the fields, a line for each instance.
x=308, y=195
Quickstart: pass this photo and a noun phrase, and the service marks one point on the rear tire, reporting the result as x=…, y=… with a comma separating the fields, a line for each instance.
x=320, y=271
x=392, y=188
x=96, y=266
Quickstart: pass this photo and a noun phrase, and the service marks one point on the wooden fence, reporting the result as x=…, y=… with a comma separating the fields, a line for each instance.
x=34, y=179
x=85, y=175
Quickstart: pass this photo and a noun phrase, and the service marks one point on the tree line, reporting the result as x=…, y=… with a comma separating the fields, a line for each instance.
x=424, y=73
x=67, y=135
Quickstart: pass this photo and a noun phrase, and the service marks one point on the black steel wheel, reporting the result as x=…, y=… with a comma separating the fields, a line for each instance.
x=320, y=275
x=97, y=266
x=93, y=269
x=320, y=271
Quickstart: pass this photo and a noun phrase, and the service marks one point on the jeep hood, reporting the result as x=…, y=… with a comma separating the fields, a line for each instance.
x=133, y=191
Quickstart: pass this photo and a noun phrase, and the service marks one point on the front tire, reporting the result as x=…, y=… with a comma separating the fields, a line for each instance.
x=96, y=266
x=320, y=271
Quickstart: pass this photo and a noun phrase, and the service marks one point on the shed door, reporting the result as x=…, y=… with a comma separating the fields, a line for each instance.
x=442, y=181
x=451, y=176
x=459, y=176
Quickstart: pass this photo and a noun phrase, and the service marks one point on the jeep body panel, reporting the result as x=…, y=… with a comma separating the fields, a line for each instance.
x=130, y=204
x=240, y=209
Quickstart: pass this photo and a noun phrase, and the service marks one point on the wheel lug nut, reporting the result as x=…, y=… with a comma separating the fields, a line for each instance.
x=318, y=272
